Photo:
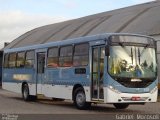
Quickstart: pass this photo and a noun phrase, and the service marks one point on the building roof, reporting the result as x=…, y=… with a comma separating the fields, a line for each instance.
x=141, y=19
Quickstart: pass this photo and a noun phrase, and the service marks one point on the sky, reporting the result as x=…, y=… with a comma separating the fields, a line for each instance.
x=20, y=16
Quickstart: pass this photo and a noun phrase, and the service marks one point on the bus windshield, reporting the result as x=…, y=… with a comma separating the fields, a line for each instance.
x=132, y=62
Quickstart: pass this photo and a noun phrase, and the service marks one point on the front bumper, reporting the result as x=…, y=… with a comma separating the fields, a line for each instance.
x=111, y=96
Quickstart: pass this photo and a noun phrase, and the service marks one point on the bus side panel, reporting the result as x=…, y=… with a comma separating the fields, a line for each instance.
x=13, y=87
x=59, y=82
x=14, y=77
x=32, y=89
x=63, y=91
x=58, y=91
x=88, y=93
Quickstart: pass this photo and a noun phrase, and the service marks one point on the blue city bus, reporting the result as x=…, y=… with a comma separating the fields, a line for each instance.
x=118, y=69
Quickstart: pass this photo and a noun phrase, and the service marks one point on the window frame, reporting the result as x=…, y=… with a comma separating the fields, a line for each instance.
x=58, y=50
x=12, y=61
x=81, y=55
x=72, y=46
x=29, y=66
x=23, y=61
x=6, y=65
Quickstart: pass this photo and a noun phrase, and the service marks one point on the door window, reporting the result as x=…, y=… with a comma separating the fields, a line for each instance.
x=41, y=62
x=98, y=54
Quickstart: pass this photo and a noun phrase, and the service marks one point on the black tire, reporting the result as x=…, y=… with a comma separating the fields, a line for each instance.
x=79, y=99
x=121, y=105
x=33, y=97
x=25, y=93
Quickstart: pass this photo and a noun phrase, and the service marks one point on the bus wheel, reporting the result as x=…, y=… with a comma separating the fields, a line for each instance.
x=80, y=99
x=25, y=92
x=121, y=105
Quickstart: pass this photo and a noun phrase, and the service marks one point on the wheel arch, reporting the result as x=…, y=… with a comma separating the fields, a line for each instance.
x=75, y=87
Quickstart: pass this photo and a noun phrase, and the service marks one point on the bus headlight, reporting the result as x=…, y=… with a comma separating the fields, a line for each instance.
x=154, y=90
x=114, y=89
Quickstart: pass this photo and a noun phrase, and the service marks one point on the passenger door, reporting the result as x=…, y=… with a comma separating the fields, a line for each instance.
x=40, y=71
x=98, y=53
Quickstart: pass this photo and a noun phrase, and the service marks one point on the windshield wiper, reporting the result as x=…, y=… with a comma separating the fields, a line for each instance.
x=140, y=54
x=131, y=55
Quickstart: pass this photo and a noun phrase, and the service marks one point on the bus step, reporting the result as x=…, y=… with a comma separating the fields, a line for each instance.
x=40, y=96
x=97, y=100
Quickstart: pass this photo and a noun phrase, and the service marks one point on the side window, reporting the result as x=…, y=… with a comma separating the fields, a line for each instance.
x=29, y=59
x=6, y=60
x=65, y=59
x=52, y=57
x=80, y=57
x=12, y=60
x=20, y=59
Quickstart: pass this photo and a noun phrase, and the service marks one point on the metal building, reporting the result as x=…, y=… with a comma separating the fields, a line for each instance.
x=141, y=19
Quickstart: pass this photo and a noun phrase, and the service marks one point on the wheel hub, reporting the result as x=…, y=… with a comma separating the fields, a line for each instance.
x=80, y=98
